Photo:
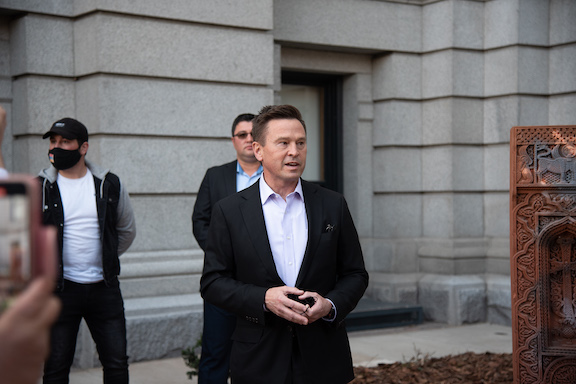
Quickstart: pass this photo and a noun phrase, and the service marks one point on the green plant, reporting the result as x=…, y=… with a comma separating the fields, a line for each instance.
x=191, y=357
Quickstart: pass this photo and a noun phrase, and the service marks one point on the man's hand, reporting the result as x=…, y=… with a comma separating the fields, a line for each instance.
x=25, y=325
x=320, y=309
x=25, y=331
x=277, y=302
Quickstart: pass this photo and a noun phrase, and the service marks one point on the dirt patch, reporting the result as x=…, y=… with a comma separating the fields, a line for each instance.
x=469, y=368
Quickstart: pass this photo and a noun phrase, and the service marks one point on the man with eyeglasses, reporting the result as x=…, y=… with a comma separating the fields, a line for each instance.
x=219, y=182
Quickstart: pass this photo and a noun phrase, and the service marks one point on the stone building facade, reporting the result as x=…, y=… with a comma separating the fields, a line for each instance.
x=426, y=94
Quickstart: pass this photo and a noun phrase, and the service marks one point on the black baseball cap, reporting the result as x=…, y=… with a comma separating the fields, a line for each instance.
x=69, y=129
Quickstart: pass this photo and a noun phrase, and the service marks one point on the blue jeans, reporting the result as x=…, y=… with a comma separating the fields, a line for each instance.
x=214, y=365
x=102, y=308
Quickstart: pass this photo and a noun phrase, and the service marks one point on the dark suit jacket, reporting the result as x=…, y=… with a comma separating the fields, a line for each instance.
x=218, y=183
x=239, y=268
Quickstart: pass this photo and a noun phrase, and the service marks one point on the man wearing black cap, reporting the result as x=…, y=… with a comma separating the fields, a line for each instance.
x=95, y=222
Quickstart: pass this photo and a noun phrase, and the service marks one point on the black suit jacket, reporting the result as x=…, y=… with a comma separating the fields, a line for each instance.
x=218, y=183
x=239, y=268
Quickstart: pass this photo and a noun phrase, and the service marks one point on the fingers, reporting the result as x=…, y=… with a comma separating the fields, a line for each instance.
x=293, y=310
x=299, y=308
x=46, y=251
x=2, y=130
x=49, y=312
x=2, y=122
x=308, y=311
x=277, y=301
x=31, y=302
x=320, y=309
x=296, y=318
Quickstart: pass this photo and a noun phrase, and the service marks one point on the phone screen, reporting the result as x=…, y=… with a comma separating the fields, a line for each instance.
x=15, y=240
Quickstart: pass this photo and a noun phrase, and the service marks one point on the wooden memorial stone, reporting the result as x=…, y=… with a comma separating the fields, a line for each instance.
x=543, y=253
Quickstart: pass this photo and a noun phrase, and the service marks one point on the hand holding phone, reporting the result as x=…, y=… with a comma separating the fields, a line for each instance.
x=25, y=325
x=19, y=224
x=309, y=300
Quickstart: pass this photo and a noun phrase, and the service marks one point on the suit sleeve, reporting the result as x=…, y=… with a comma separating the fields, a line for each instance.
x=202, y=212
x=219, y=284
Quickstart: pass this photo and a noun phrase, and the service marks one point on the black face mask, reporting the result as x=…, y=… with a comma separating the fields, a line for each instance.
x=63, y=158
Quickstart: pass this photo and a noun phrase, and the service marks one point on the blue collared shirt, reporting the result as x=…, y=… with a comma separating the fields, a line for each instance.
x=243, y=181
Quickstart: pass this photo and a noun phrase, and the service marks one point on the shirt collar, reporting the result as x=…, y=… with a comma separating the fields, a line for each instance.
x=266, y=192
x=241, y=171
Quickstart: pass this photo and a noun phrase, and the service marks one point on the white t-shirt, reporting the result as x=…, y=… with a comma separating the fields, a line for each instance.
x=82, y=250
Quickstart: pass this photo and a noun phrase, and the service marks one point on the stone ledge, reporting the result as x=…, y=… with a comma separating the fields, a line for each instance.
x=451, y=299
x=180, y=266
x=143, y=306
x=157, y=327
x=160, y=286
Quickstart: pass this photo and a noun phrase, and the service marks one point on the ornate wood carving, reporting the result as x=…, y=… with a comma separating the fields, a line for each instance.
x=543, y=253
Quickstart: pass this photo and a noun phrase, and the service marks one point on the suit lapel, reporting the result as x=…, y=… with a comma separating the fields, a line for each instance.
x=314, y=212
x=253, y=217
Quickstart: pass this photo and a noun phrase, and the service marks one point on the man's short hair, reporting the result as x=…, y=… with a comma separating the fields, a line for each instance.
x=240, y=118
x=273, y=112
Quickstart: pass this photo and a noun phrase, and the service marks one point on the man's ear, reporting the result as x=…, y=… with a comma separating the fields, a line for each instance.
x=83, y=148
x=257, y=148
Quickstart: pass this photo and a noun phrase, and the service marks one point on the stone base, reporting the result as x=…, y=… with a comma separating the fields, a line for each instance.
x=173, y=324
x=394, y=288
x=451, y=299
x=499, y=299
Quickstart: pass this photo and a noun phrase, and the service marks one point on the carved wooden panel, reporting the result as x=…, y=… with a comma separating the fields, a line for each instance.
x=543, y=253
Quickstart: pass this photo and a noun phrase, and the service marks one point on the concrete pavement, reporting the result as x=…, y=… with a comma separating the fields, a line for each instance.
x=368, y=348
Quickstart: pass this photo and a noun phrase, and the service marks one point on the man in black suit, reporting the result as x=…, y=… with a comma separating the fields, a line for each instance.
x=219, y=182
x=282, y=240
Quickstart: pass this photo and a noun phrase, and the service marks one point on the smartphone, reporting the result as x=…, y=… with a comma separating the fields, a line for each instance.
x=19, y=222
x=309, y=300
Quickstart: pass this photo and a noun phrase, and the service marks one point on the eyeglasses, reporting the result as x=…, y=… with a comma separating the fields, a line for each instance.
x=242, y=135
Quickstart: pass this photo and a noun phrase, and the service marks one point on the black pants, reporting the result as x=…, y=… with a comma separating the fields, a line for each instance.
x=217, y=332
x=102, y=308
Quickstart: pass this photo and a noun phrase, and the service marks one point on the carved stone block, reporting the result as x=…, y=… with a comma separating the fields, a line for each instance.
x=543, y=253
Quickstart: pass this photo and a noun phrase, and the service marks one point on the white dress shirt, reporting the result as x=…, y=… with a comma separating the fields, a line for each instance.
x=287, y=227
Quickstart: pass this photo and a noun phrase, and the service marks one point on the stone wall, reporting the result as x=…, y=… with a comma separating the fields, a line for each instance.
x=430, y=92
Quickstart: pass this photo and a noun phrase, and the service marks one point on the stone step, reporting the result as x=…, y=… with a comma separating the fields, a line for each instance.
x=162, y=263
x=149, y=306
x=162, y=326
x=374, y=314
x=160, y=286
x=157, y=327
x=163, y=273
